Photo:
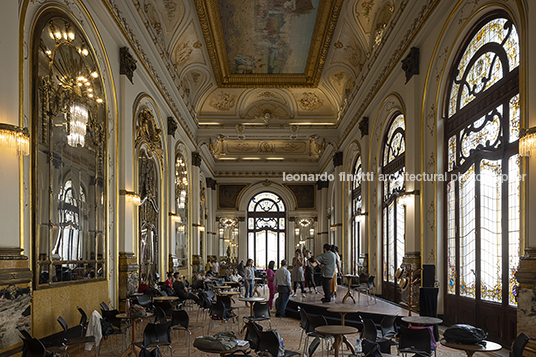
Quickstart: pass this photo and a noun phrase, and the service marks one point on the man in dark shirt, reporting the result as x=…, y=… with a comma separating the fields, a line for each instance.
x=180, y=289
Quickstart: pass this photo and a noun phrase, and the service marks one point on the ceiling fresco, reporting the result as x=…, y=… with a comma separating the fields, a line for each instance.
x=273, y=64
x=268, y=36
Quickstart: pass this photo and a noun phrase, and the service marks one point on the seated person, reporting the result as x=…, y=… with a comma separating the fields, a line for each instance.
x=235, y=277
x=143, y=288
x=169, y=280
x=201, y=276
x=210, y=272
x=180, y=289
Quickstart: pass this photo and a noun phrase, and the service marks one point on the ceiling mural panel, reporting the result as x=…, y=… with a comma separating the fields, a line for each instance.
x=187, y=50
x=222, y=101
x=169, y=11
x=312, y=102
x=270, y=36
x=348, y=50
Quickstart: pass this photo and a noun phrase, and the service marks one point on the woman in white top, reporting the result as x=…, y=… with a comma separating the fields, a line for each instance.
x=235, y=277
x=250, y=277
x=298, y=275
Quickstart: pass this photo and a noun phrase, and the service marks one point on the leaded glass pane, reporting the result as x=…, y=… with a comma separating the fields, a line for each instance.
x=260, y=249
x=514, y=236
x=271, y=244
x=251, y=244
x=358, y=174
x=467, y=233
x=490, y=230
x=483, y=133
x=391, y=241
x=281, y=247
x=514, y=118
x=487, y=69
x=452, y=152
x=250, y=223
x=281, y=223
x=385, y=244
x=395, y=144
x=400, y=235
x=451, y=238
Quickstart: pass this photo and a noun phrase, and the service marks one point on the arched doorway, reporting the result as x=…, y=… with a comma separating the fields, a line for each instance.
x=266, y=229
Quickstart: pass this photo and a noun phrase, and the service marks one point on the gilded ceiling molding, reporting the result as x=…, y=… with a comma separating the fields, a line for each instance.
x=123, y=25
x=416, y=25
x=147, y=132
x=326, y=22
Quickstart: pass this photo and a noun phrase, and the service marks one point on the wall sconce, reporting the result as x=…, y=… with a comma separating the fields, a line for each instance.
x=527, y=142
x=131, y=197
x=201, y=228
x=181, y=228
x=221, y=232
x=361, y=216
x=296, y=232
x=235, y=231
x=312, y=232
x=15, y=137
x=404, y=198
x=333, y=227
x=175, y=217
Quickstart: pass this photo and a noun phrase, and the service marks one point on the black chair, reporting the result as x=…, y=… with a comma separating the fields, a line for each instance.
x=34, y=348
x=252, y=334
x=313, y=346
x=313, y=321
x=204, y=304
x=83, y=319
x=371, y=333
x=120, y=327
x=180, y=321
x=415, y=341
x=25, y=334
x=304, y=322
x=227, y=302
x=104, y=307
x=269, y=342
x=165, y=306
x=368, y=288
x=156, y=335
x=261, y=312
x=519, y=345
x=145, y=301
x=159, y=315
x=218, y=312
x=74, y=341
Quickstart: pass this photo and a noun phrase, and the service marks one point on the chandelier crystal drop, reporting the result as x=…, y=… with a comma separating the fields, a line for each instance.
x=79, y=118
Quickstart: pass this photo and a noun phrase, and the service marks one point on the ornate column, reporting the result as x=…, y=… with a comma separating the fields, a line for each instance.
x=526, y=298
x=15, y=296
x=197, y=245
x=322, y=235
x=128, y=276
x=211, y=228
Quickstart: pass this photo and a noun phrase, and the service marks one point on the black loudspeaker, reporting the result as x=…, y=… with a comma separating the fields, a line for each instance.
x=428, y=275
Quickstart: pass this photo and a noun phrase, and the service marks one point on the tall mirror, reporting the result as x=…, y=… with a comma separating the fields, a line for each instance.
x=68, y=155
x=181, y=210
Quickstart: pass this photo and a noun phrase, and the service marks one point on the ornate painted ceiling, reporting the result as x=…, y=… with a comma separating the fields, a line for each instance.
x=273, y=64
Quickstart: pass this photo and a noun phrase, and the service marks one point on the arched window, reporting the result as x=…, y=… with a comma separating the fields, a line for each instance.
x=393, y=213
x=482, y=195
x=266, y=229
x=356, y=242
x=69, y=151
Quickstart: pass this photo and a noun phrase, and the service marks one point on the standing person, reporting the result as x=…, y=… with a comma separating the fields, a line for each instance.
x=216, y=267
x=282, y=281
x=208, y=265
x=310, y=265
x=333, y=281
x=240, y=269
x=327, y=261
x=270, y=276
x=298, y=272
x=250, y=277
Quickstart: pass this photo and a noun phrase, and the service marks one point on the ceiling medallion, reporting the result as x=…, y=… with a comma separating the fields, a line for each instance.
x=266, y=59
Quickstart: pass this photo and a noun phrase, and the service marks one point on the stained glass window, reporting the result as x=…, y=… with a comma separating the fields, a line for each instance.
x=266, y=229
x=482, y=195
x=394, y=219
x=356, y=242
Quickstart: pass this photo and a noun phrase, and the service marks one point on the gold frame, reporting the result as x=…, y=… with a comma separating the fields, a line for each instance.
x=326, y=21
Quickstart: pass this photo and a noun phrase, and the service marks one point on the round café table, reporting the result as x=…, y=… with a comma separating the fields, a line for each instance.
x=165, y=298
x=134, y=319
x=343, y=310
x=251, y=300
x=471, y=349
x=339, y=333
x=422, y=320
x=349, y=277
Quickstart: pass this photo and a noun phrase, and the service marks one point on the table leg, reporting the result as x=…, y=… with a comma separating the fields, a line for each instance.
x=130, y=348
x=348, y=293
x=348, y=344
x=337, y=344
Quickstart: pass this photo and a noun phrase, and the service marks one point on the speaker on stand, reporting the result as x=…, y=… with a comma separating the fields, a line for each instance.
x=428, y=295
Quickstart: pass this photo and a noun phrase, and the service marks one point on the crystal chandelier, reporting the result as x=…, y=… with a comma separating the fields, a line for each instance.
x=79, y=118
x=15, y=137
x=527, y=143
